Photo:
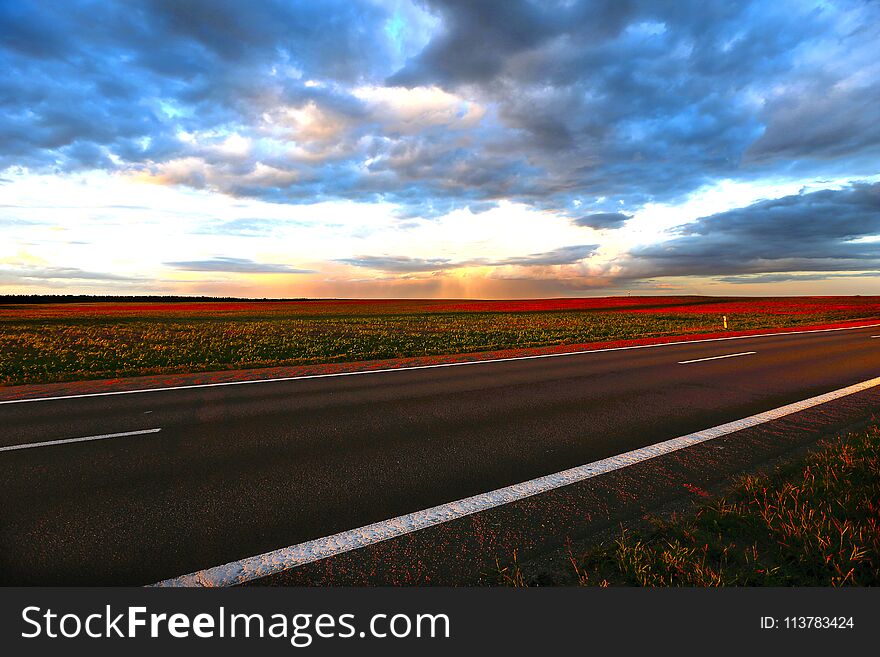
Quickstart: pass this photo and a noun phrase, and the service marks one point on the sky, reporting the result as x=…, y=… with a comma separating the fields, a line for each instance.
x=439, y=148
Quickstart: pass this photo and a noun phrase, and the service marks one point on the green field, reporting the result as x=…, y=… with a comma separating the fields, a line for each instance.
x=75, y=341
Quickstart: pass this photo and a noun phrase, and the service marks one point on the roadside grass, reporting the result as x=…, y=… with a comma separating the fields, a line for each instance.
x=811, y=523
x=42, y=343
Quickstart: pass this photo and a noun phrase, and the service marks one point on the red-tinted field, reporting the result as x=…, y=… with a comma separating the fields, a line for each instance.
x=72, y=341
x=863, y=306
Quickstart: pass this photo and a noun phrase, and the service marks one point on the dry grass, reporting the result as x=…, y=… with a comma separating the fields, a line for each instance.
x=815, y=523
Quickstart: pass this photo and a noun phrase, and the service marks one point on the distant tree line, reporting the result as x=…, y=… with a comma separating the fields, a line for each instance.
x=95, y=298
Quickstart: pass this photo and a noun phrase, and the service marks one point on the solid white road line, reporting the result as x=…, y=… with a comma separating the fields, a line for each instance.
x=270, y=563
x=424, y=367
x=875, y=336
x=64, y=441
x=700, y=360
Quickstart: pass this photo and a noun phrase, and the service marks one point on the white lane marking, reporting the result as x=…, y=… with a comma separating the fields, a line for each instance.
x=48, y=443
x=700, y=360
x=875, y=336
x=270, y=563
x=423, y=367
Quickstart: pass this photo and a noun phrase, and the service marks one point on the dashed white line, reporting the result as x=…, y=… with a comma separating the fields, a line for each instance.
x=271, y=563
x=700, y=360
x=64, y=441
x=426, y=367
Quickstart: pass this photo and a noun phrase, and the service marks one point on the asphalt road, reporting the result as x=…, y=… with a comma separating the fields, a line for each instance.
x=240, y=470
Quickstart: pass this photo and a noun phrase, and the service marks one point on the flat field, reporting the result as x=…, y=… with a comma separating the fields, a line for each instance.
x=47, y=342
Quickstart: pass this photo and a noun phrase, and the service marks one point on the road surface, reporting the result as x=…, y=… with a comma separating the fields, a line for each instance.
x=172, y=481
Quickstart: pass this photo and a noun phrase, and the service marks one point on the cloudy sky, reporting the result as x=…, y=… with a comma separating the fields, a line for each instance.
x=451, y=148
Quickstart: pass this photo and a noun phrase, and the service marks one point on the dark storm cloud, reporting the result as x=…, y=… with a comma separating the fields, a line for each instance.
x=819, y=123
x=84, y=76
x=237, y=266
x=595, y=101
x=647, y=100
x=400, y=264
x=404, y=264
x=788, y=278
x=603, y=220
x=821, y=231
x=565, y=255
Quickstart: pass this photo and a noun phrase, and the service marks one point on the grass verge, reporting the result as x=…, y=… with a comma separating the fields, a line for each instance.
x=811, y=523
